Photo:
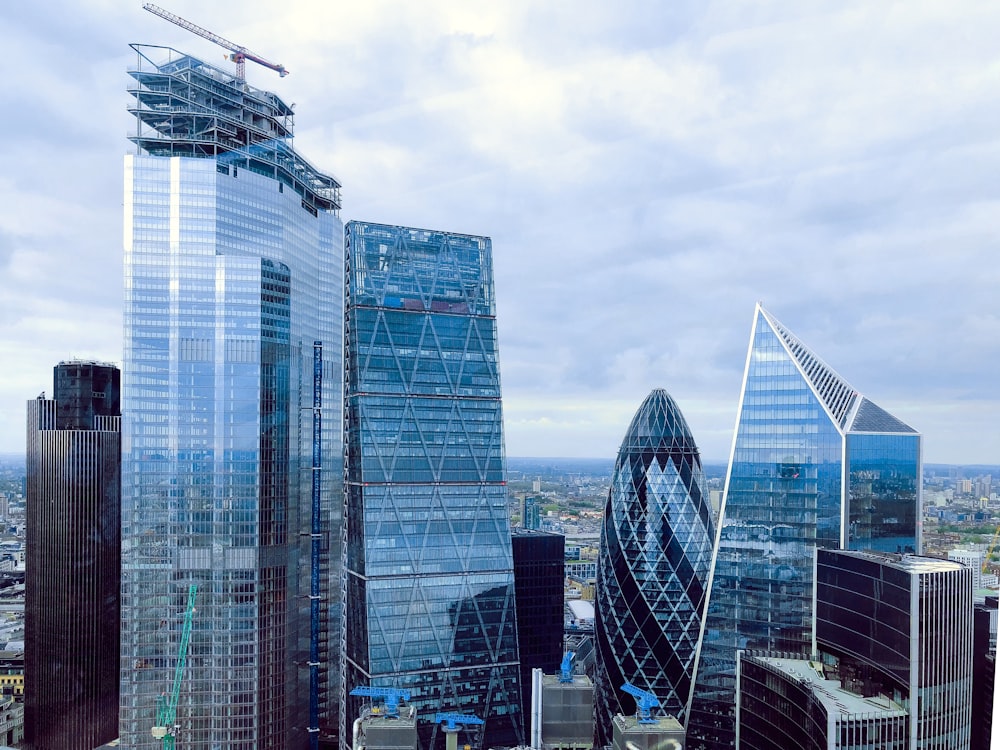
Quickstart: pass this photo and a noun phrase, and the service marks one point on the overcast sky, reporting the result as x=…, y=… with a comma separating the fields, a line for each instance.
x=647, y=171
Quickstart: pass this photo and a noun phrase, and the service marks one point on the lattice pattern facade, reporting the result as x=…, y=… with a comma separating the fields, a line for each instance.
x=429, y=584
x=656, y=549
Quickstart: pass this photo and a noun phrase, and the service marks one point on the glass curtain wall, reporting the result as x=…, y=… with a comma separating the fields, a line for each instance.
x=430, y=589
x=229, y=280
x=652, y=574
x=789, y=491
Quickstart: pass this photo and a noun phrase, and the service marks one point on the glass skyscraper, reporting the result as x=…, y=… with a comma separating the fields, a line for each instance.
x=429, y=570
x=233, y=262
x=814, y=464
x=652, y=571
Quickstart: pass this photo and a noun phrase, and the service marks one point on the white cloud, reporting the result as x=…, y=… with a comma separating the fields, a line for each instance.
x=647, y=172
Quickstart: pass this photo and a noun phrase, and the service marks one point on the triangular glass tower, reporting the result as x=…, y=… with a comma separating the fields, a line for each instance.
x=652, y=573
x=429, y=568
x=814, y=464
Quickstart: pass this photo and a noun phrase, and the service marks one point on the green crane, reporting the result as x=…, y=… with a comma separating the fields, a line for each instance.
x=166, y=706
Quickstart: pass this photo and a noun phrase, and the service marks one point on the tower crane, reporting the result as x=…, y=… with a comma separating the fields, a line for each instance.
x=166, y=706
x=238, y=53
x=566, y=668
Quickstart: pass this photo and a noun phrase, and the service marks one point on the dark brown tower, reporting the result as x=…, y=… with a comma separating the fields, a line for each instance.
x=73, y=561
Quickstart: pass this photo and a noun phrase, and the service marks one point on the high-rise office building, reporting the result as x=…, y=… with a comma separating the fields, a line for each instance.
x=902, y=626
x=814, y=464
x=531, y=508
x=539, y=562
x=429, y=572
x=984, y=632
x=231, y=448
x=797, y=703
x=972, y=557
x=652, y=572
x=891, y=666
x=71, y=605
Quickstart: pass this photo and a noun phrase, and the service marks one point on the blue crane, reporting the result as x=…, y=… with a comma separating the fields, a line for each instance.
x=166, y=706
x=391, y=696
x=644, y=702
x=566, y=668
x=453, y=722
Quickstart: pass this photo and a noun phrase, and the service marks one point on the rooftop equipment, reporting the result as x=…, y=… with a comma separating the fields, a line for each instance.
x=644, y=702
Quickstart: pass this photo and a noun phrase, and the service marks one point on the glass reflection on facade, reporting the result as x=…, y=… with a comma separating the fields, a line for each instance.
x=652, y=573
x=793, y=703
x=883, y=479
x=901, y=625
x=429, y=571
x=814, y=464
x=233, y=258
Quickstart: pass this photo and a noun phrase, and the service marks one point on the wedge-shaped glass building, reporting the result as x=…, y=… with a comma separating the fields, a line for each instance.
x=429, y=568
x=814, y=464
x=652, y=573
x=233, y=344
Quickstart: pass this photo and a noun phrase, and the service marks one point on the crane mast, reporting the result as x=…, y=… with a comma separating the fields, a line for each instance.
x=166, y=708
x=239, y=54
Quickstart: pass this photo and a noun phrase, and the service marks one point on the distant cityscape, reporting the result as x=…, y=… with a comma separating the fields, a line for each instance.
x=288, y=520
x=961, y=517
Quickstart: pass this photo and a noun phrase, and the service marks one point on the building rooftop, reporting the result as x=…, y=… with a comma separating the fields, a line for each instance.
x=186, y=107
x=578, y=681
x=907, y=563
x=84, y=361
x=521, y=531
x=582, y=610
x=836, y=700
x=664, y=724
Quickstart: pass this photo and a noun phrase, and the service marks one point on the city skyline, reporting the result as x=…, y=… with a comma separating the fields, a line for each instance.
x=833, y=161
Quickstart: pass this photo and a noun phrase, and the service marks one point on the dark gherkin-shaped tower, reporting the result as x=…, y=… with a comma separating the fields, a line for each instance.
x=652, y=575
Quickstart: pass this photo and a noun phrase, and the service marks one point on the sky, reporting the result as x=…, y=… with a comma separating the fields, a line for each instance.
x=647, y=172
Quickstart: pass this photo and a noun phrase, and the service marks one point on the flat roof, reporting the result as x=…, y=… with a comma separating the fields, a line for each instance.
x=836, y=700
x=582, y=610
x=908, y=563
x=521, y=531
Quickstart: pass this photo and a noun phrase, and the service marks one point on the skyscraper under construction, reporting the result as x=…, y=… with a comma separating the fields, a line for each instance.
x=231, y=450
